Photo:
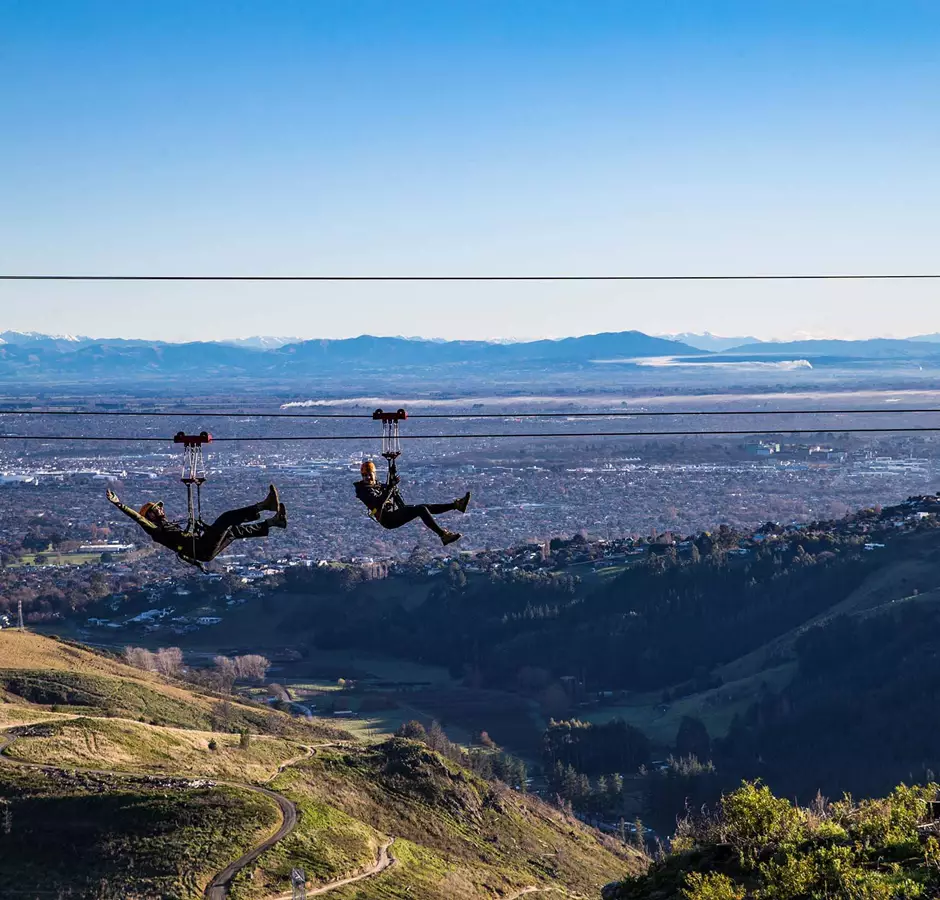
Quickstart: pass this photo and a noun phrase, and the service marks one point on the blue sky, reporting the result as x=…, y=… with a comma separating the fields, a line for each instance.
x=651, y=136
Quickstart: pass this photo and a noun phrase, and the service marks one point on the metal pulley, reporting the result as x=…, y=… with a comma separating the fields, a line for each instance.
x=391, y=438
x=194, y=474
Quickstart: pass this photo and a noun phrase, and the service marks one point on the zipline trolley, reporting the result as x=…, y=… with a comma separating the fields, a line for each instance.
x=194, y=475
x=391, y=439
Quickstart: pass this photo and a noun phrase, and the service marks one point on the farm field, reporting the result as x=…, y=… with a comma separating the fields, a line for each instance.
x=56, y=559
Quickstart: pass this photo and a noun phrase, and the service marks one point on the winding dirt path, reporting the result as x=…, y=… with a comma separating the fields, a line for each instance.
x=531, y=889
x=385, y=860
x=218, y=887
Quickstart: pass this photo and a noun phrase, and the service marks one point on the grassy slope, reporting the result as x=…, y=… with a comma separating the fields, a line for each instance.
x=893, y=582
x=457, y=837
x=130, y=837
x=715, y=707
x=39, y=672
x=97, y=837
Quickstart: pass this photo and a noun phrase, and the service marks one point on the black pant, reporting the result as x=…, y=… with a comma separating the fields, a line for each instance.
x=228, y=527
x=395, y=518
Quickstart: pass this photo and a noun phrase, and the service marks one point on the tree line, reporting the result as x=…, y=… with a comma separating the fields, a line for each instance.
x=168, y=661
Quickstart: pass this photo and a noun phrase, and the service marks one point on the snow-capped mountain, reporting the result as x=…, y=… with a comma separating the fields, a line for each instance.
x=261, y=342
x=32, y=337
x=708, y=341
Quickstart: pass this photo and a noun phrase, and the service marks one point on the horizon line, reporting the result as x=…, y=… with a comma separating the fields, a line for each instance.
x=675, y=337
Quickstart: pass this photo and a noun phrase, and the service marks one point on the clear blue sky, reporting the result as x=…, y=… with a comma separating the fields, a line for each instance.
x=509, y=136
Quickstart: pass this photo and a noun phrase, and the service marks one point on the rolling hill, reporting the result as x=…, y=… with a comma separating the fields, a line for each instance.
x=154, y=794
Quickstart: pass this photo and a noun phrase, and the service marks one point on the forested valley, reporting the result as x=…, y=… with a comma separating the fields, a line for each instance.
x=808, y=663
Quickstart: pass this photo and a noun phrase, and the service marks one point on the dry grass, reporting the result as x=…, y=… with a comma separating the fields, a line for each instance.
x=127, y=746
x=12, y=714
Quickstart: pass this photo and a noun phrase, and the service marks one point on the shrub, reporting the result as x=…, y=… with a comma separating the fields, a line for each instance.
x=789, y=879
x=713, y=886
x=753, y=819
x=888, y=823
x=413, y=729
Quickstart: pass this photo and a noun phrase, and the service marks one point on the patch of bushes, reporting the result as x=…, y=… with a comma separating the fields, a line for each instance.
x=761, y=847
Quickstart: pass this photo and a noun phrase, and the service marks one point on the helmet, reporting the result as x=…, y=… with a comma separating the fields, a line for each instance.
x=367, y=468
x=146, y=509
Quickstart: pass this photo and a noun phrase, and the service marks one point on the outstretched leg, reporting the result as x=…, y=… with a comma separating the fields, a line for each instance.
x=438, y=508
x=214, y=539
x=395, y=518
x=237, y=517
x=459, y=504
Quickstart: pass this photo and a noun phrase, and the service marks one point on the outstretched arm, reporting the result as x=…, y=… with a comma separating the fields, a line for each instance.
x=146, y=524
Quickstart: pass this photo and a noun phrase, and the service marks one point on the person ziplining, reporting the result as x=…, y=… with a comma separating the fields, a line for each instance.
x=197, y=542
x=387, y=507
x=384, y=501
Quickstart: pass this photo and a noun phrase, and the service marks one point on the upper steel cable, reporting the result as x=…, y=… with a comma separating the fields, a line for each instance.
x=840, y=276
x=471, y=436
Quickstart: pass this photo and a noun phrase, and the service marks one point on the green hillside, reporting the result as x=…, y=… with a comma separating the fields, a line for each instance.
x=457, y=836
x=105, y=793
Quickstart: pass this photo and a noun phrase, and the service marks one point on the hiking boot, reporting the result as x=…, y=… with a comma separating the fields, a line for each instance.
x=280, y=520
x=462, y=504
x=448, y=537
x=272, y=502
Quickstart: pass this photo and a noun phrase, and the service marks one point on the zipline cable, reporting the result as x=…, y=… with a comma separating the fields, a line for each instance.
x=507, y=415
x=472, y=436
x=412, y=278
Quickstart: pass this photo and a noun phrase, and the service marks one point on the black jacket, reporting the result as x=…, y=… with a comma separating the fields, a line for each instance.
x=377, y=497
x=169, y=534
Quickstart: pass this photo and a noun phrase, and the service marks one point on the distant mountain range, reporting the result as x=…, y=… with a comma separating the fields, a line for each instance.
x=718, y=344
x=874, y=348
x=31, y=337
x=31, y=356
x=45, y=357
